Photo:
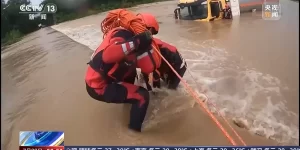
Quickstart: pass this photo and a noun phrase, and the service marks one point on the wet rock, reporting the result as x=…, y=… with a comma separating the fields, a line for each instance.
x=260, y=133
x=242, y=123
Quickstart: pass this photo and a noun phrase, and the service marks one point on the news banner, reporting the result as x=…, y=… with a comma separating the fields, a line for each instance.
x=54, y=140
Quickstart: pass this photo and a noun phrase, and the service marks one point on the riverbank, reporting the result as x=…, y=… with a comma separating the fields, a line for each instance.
x=10, y=38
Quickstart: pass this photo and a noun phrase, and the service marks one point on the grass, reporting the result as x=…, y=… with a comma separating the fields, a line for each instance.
x=11, y=37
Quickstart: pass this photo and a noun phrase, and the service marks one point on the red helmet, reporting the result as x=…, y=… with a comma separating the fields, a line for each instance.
x=150, y=21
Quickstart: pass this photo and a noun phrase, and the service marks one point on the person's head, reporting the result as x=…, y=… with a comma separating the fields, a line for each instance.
x=226, y=6
x=150, y=22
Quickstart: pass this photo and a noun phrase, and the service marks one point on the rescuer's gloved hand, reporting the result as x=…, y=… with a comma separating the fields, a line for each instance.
x=143, y=40
x=172, y=80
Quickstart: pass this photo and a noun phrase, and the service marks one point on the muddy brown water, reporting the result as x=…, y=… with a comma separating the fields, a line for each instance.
x=248, y=67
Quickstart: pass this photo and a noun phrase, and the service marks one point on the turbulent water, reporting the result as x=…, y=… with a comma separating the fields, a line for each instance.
x=248, y=67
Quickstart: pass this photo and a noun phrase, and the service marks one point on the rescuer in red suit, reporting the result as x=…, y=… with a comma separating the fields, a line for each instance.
x=111, y=72
x=169, y=52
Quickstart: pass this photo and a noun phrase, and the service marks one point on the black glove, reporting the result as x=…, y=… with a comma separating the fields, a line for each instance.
x=143, y=40
x=172, y=80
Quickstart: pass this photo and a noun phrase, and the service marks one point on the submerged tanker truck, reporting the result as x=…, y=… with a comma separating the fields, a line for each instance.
x=209, y=10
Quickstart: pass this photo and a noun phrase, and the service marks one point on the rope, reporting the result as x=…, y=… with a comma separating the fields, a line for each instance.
x=128, y=20
x=210, y=103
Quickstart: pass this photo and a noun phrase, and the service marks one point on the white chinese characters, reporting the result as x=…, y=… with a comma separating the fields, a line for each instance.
x=271, y=11
x=34, y=16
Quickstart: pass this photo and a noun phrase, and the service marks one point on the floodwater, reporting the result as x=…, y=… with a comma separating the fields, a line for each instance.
x=248, y=67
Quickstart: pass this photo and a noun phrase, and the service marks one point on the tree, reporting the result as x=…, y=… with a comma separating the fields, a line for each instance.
x=11, y=19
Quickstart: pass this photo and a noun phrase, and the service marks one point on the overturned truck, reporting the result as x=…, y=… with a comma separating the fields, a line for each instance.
x=209, y=10
x=202, y=10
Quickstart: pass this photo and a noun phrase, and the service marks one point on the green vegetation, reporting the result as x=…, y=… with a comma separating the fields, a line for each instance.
x=15, y=25
x=12, y=37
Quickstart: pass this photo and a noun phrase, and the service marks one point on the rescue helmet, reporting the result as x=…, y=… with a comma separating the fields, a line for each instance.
x=150, y=22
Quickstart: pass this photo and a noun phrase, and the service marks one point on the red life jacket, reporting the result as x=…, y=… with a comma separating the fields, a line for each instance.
x=99, y=73
x=149, y=62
